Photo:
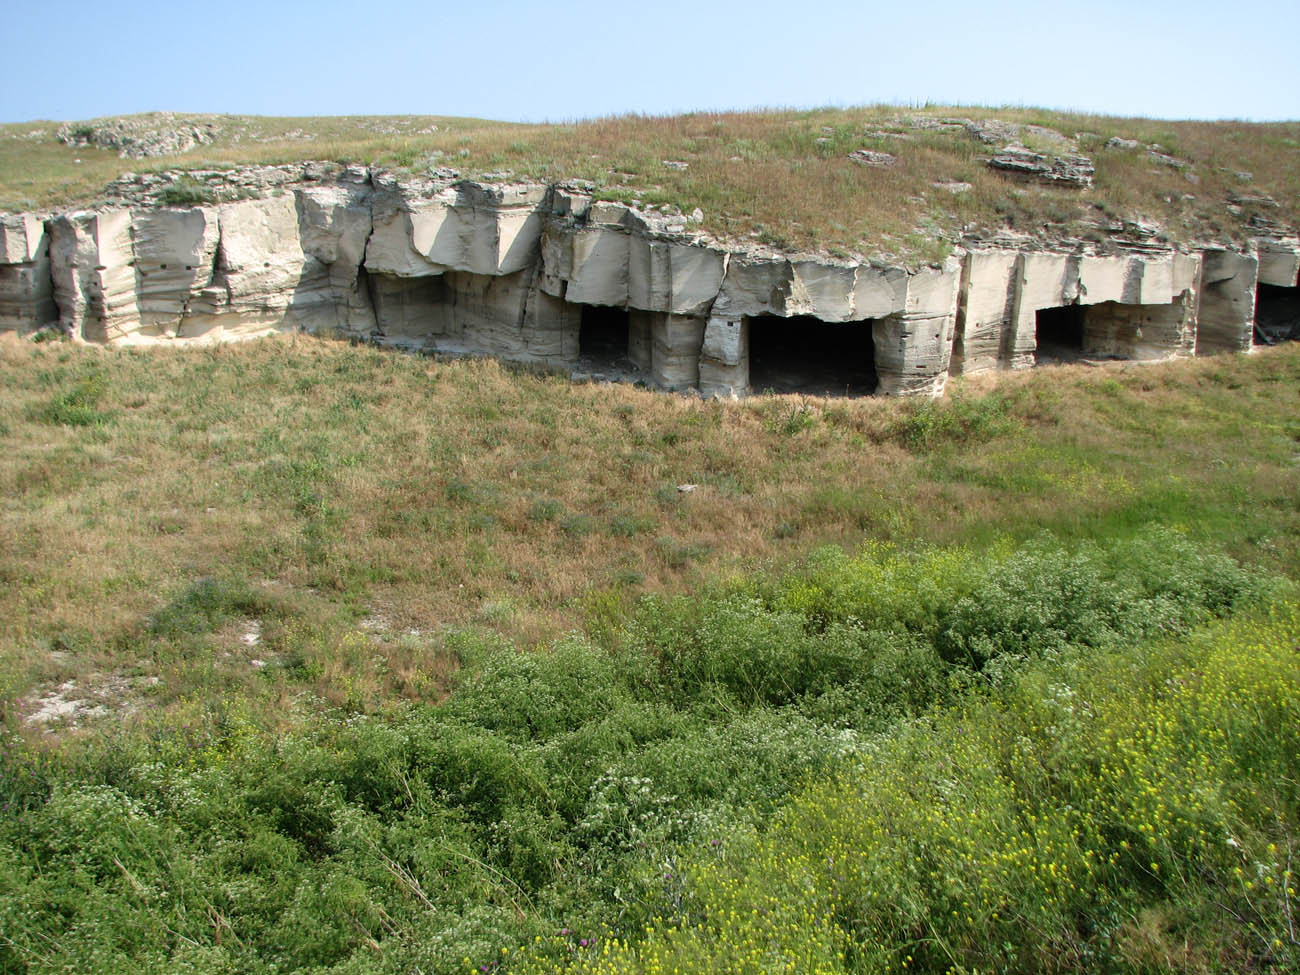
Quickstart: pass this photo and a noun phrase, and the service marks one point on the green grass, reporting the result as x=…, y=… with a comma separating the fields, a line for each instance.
x=590, y=788
x=390, y=664
x=770, y=176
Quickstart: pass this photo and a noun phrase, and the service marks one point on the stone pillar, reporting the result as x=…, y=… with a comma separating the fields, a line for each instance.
x=724, y=358
x=914, y=347
x=1227, y=317
x=26, y=288
x=94, y=282
x=675, y=351
x=984, y=310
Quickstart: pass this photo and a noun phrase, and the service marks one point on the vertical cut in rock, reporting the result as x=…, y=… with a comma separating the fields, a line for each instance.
x=803, y=354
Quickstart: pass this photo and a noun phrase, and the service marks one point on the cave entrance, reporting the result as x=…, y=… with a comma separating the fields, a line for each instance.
x=1059, y=334
x=602, y=335
x=1277, y=314
x=807, y=355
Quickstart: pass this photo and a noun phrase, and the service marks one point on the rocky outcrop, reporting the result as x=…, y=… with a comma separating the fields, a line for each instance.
x=1003, y=293
x=526, y=271
x=141, y=136
x=1057, y=170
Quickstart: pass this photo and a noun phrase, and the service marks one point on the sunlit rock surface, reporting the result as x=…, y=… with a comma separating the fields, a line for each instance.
x=549, y=274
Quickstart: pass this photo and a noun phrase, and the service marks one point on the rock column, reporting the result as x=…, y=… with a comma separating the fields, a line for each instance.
x=26, y=288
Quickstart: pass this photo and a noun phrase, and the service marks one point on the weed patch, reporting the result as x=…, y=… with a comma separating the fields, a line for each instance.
x=79, y=406
x=721, y=750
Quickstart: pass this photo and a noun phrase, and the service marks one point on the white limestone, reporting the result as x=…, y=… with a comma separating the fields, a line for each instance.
x=26, y=285
x=914, y=347
x=1279, y=262
x=1043, y=281
x=505, y=269
x=987, y=300
x=1227, y=310
x=724, y=358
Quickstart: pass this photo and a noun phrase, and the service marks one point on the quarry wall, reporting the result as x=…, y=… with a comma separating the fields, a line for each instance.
x=548, y=274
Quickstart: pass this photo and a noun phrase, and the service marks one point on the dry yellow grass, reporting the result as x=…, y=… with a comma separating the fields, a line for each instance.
x=782, y=177
x=366, y=517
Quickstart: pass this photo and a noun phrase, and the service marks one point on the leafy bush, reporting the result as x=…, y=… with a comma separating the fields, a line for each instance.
x=1044, y=599
x=1107, y=812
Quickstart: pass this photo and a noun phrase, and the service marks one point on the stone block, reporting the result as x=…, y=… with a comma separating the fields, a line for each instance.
x=1226, y=322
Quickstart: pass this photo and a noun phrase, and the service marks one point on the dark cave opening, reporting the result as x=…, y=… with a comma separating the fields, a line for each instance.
x=807, y=355
x=603, y=334
x=1277, y=314
x=1059, y=334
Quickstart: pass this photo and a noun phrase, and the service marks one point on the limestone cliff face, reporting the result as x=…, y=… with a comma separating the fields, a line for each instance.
x=511, y=269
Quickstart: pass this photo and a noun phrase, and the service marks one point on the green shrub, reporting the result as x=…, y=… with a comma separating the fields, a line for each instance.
x=206, y=604
x=1105, y=812
x=536, y=696
x=79, y=406
x=186, y=192
x=1045, y=599
x=814, y=758
x=959, y=419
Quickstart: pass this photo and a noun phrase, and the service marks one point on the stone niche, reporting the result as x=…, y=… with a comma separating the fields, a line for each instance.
x=804, y=354
x=1018, y=310
x=604, y=336
x=1277, y=314
x=1112, y=329
x=1277, y=296
x=476, y=314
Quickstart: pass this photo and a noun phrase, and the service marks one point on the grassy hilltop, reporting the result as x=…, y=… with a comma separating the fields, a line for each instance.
x=780, y=177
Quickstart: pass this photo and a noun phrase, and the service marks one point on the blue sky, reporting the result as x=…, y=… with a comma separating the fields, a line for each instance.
x=73, y=59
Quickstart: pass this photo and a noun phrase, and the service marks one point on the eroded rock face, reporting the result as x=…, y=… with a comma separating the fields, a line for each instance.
x=1068, y=169
x=517, y=269
x=26, y=283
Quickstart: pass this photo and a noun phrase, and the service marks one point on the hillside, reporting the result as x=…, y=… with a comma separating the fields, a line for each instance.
x=342, y=515
x=263, y=705
x=781, y=178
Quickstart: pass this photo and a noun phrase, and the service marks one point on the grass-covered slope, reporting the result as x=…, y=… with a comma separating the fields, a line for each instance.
x=294, y=518
x=778, y=177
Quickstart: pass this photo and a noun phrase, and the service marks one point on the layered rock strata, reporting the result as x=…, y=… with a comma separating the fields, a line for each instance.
x=525, y=271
